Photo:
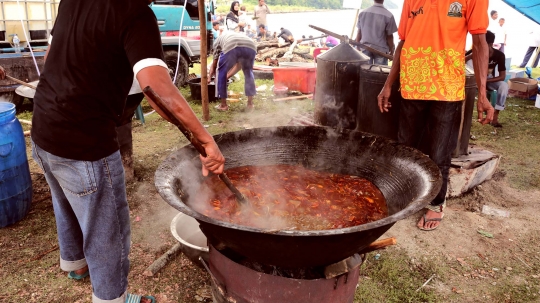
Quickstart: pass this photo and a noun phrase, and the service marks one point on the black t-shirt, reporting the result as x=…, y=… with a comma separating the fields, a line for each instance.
x=286, y=35
x=497, y=58
x=88, y=74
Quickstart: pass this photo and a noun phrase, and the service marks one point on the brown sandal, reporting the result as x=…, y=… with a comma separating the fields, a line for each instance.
x=426, y=220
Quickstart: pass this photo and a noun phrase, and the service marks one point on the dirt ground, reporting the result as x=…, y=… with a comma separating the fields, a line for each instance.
x=475, y=268
x=465, y=266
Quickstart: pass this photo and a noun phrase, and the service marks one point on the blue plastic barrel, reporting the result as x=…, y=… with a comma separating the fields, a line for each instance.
x=15, y=181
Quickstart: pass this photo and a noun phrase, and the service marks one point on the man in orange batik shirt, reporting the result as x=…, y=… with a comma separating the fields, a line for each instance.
x=430, y=62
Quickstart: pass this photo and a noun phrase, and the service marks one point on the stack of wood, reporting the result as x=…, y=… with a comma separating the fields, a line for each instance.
x=272, y=53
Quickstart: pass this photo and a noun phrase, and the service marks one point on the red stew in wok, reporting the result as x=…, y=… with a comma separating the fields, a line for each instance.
x=286, y=197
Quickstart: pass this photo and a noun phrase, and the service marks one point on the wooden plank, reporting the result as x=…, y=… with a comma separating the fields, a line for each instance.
x=310, y=96
x=163, y=260
x=263, y=67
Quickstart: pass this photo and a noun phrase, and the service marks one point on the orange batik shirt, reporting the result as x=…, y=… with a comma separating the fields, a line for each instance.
x=432, y=58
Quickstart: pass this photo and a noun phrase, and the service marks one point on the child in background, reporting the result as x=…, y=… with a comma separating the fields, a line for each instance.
x=215, y=29
x=243, y=18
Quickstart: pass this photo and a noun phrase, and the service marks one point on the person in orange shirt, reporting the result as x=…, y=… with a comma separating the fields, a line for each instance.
x=430, y=63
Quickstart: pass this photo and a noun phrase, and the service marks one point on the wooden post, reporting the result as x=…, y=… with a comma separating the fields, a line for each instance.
x=204, y=64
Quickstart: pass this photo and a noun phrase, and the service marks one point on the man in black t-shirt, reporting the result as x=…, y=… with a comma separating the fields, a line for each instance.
x=96, y=49
x=496, y=83
x=286, y=35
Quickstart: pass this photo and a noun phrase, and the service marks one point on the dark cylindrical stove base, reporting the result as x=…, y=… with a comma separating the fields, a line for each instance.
x=232, y=282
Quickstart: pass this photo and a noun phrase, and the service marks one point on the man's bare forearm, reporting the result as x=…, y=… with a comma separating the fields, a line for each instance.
x=480, y=62
x=359, y=36
x=390, y=42
x=394, y=71
x=214, y=65
x=157, y=77
x=46, y=53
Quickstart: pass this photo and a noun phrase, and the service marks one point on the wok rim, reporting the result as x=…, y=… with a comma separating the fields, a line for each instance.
x=412, y=208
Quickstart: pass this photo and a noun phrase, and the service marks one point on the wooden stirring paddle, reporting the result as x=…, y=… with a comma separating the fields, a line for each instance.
x=149, y=92
x=20, y=82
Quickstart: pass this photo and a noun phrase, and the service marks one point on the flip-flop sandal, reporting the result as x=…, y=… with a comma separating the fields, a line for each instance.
x=431, y=220
x=74, y=276
x=131, y=298
x=221, y=109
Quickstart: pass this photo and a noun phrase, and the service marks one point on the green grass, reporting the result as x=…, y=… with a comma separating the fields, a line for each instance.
x=517, y=142
x=393, y=278
x=510, y=291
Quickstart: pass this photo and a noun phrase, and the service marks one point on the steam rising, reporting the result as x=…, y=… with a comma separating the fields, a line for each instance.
x=266, y=220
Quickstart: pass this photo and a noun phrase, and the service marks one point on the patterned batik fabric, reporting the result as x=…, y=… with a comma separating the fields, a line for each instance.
x=432, y=63
x=432, y=75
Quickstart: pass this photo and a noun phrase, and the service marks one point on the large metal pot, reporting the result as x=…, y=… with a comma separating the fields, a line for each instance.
x=336, y=95
x=408, y=179
x=369, y=118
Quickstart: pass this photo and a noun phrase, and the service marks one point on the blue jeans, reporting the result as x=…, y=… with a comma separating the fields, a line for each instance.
x=433, y=128
x=246, y=57
x=528, y=55
x=375, y=59
x=502, y=92
x=92, y=218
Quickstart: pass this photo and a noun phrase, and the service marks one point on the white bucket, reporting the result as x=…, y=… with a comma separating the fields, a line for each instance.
x=186, y=230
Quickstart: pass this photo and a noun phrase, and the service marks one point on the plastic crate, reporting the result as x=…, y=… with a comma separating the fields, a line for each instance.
x=297, y=78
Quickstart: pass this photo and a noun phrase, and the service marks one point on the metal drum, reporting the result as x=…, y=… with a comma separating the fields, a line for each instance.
x=466, y=115
x=336, y=93
x=369, y=118
x=233, y=282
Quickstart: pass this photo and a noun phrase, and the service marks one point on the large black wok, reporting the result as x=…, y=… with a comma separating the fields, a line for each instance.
x=408, y=179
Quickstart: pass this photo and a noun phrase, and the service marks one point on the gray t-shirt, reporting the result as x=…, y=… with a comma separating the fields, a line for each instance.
x=229, y=40
x=376, y=23
x=260, y=13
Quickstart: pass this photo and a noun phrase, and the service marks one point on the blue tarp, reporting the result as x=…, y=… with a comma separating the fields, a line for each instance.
x=530, y=8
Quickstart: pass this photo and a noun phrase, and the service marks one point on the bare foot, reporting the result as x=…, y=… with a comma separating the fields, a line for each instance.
x=222, y=108
x=433, y=220
x=81, y=271
x=250, y=107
